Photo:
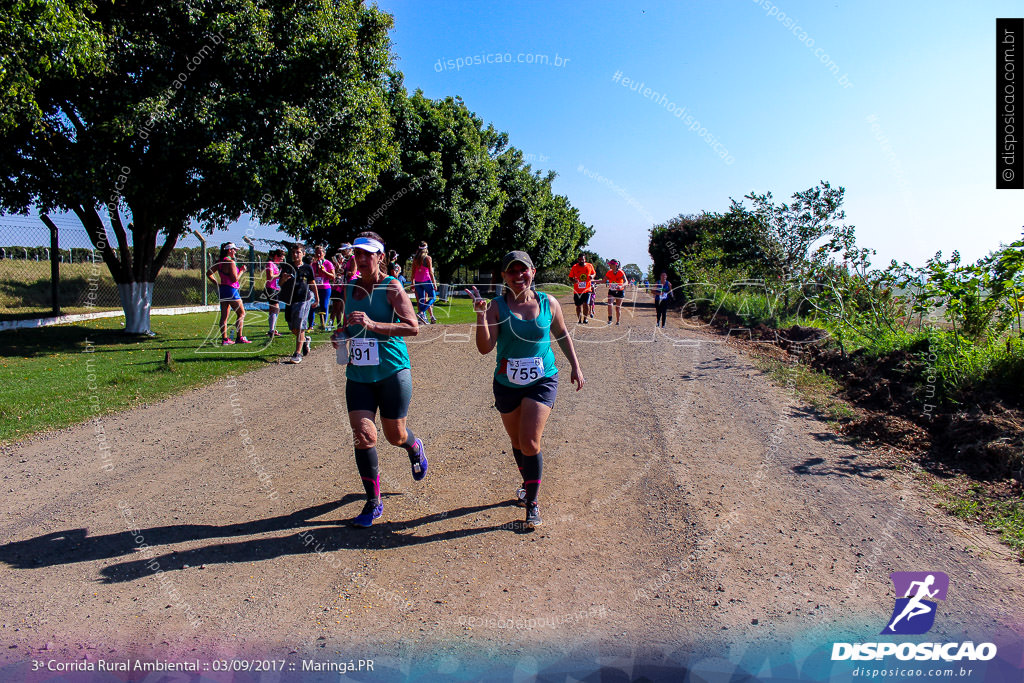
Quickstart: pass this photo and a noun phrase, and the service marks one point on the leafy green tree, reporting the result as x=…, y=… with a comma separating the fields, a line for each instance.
x=459, y=186
x=443, y=187
x=521, y=224
x=795, y=227
x=600, y=264
x=669, y=242
x=157, y=114
x=43, y=40
x=565, y=234
x=633, y=271
x=534, y=219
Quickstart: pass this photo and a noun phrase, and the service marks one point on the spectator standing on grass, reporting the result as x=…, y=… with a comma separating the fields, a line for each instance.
x=227, y=288
x=582, y=275
x=323, y=274
x=662, y=292
x=424, y=284
x=344, y=271
x=520, y=323
x=272, y=290
x=378, y=314
x=299, y=294
x=396, y=272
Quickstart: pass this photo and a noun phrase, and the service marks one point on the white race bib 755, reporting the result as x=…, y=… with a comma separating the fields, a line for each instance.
x=522, y=371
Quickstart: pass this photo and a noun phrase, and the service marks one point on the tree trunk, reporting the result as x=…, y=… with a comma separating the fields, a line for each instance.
x=133, y=269
x=136, y=300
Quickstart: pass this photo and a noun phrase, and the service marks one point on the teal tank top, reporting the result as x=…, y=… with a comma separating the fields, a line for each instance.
x=392, y=353
x=518, y=338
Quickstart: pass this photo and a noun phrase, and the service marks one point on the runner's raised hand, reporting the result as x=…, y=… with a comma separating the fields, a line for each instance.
x=479, y=303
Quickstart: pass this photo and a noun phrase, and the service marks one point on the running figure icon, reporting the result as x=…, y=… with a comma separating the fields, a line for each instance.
x=919, y=591
x=915, y=607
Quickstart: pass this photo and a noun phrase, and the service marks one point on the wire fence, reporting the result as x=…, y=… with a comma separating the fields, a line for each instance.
x=84, y=283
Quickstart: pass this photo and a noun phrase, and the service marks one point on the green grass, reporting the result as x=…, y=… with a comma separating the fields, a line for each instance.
x=25, y=290
x=49, y=381
x=457, y=311
x=1005, y=517
x=816, y=388
x=960, y=366
x=555, y=289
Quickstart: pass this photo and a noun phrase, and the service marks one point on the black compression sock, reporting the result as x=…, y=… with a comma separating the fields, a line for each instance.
x=533, y=465
x=366, y=461
x=518, y=455
x=410, y=445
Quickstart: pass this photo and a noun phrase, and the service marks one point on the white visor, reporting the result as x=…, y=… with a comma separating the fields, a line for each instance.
x=368, y=244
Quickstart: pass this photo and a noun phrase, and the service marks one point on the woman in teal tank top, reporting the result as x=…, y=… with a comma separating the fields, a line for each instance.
x=520, y=323
x=377, y=314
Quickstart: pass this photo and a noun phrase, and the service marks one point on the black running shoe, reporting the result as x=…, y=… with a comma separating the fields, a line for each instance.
x=306, y=346
x=533, y=515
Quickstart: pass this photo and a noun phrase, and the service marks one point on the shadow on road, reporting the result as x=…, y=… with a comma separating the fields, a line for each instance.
x=66, y=547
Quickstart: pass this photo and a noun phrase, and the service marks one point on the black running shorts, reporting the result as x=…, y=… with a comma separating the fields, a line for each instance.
x=507, y=399
x=390, y=395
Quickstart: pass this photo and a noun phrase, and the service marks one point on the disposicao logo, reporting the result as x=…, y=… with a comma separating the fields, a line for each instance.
x=914, y=614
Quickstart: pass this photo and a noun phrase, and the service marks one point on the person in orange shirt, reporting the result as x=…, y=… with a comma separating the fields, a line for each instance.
x=582, y=275
x=616, y=280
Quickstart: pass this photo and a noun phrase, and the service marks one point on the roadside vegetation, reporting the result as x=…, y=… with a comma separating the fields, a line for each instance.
x=932, y=356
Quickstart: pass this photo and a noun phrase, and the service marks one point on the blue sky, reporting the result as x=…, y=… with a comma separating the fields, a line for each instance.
x=906, y=124
x=909, y=133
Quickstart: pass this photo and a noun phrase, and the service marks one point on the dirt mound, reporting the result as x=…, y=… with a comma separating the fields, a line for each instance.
x=899, y=406
x=881, y=428
x=988, y=443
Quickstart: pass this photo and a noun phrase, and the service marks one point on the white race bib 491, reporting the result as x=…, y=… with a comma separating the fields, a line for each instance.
x=363, y=352
x=523, y=371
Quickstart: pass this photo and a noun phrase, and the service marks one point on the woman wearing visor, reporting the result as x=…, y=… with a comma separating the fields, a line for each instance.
x=377, y=313
x=520, y=323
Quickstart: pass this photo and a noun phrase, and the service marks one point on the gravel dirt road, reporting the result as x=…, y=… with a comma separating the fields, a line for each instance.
x=686, y=501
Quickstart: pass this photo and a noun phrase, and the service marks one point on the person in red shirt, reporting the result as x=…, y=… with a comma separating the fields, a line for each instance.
x=582, y=275
x=616, y=280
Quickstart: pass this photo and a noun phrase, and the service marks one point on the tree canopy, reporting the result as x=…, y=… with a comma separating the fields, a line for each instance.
x=457, y=184
x=156, y=114
x=768, y=242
